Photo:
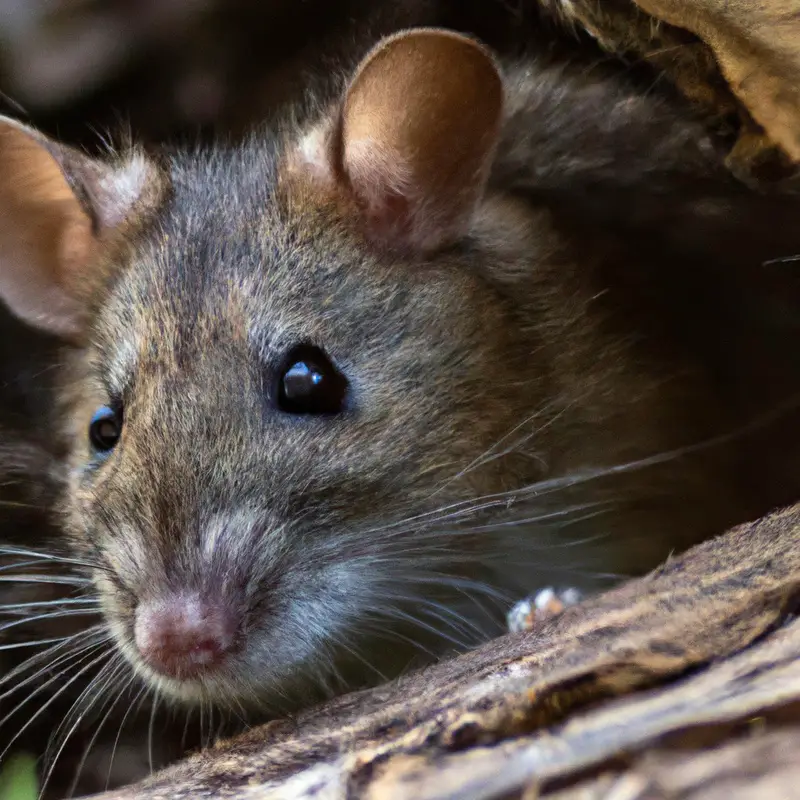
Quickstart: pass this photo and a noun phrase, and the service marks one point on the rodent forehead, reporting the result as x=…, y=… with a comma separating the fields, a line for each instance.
x=212, y=326
x=243, y=271
x=424, y=355
x=184, y=301
x=200, y=321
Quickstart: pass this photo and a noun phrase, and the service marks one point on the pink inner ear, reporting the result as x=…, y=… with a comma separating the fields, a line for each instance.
x=416, y=136
x=376, y=171
x=74, y=246
x=47, y=243
x=384, y=185
x=402, y=210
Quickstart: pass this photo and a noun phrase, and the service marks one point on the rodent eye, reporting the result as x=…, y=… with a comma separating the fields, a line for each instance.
x=105, y=429
x=310, y=384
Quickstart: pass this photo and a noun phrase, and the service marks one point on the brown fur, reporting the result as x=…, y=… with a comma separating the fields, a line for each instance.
x=509, y=385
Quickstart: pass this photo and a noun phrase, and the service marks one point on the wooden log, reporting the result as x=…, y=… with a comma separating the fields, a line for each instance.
x=684, y=683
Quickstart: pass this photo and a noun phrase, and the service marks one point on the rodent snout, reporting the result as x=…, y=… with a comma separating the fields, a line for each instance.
x=183, y=636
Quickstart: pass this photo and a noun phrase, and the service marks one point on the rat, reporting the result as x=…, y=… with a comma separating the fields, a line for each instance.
x=326, y=388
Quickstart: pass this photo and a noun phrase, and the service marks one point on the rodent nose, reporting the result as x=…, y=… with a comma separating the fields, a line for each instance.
x=183, y=636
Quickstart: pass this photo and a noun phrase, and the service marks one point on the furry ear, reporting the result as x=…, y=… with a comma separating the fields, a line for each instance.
x=416, y=136
x=56, y=205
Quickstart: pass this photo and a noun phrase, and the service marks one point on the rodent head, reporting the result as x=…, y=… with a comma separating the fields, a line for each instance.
x=288, y=355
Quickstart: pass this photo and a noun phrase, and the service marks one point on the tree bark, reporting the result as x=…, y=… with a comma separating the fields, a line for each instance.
x=734, y=58
x=682, y=684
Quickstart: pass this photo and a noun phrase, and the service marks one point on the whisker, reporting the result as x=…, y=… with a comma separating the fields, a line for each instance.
x=69, y=655
x=135, y=703
x=781, y=260
x=398, y=613
x=67, y=644
x=150, y=731
x=489, y=454
x=49, y=702
x=42, y=556
x=544, y=517
x=359, y=657
x=376, y=628
x=443, y=612
x=20, y=504
x=449, y=616
x=54, y=579
x=65, y=612
x=202, y=720
x=119, y=695
x=241, y=713
x=464, y=508
x=19, y=564
x=186, y=729
x=34, y=643
x=61, y=735
x=210, y=739
x=463, y=584
x=50, y=603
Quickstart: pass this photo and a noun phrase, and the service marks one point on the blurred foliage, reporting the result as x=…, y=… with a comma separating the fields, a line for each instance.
x=18, y=779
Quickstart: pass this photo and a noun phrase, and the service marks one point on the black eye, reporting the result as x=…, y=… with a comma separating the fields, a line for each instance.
x=105, y=429
x=310, y=384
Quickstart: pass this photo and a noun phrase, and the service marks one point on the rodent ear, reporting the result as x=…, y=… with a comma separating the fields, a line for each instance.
x=56, y=204
x=416, y=135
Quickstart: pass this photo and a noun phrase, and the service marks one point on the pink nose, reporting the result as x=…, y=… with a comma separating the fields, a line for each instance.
x=182, y=636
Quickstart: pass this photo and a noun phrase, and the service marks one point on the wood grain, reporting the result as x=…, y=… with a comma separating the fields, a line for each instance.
x=622, y=696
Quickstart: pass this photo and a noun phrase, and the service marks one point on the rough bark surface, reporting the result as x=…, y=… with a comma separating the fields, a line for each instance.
x=733, y=57
x=682, y=684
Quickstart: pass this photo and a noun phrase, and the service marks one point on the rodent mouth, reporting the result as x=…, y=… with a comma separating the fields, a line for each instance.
x=188, y=691
x=187, y=686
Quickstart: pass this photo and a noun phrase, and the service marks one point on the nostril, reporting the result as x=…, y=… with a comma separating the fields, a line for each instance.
x=183, y=636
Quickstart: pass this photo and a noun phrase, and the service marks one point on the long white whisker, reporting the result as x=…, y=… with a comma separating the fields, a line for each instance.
x=70, y=601
x=185, y=729
x=65, y=612
x=153, y=709
x=376, y=627
x=46, y=705
x=58, y=643
x=19, y=565
x=465, y=585
x=19, y=504
x=465, y=508
x=781, y=260
x=41, y=556
x=135, y=703
x=359, y=657
x=489, y=454
x=448, y=616
x=68, y=656
x=119, y=695
x=398, y=613
x=202, y=721
x=106, y=677
x=34, y=643
x=54, y=579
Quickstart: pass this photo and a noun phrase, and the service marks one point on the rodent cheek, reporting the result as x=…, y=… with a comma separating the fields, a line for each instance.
x=118, y=612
